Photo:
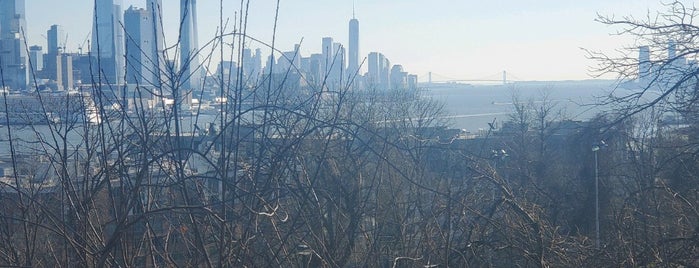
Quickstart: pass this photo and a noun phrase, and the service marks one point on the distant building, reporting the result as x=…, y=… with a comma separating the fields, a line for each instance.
x=141, y=53
x=36, y=58
x=13, y=49
x=251, y=65
x=399, y=78
x=227, y=71
x=67, y=71
x=54, y=68
x=353, y=56
x=644, y=64
x=108, y=43
x=374, y=74
x=290, y=60
x=412, y=81
x=189, y=51
x=157, y=54
x=328, y=55
x=384, y=72
x=315, y=69
x=338, y=67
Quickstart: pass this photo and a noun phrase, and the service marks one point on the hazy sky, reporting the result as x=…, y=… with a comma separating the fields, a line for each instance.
x=531, y=39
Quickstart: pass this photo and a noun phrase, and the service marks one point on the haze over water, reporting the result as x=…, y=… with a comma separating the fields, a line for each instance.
x=472, y=107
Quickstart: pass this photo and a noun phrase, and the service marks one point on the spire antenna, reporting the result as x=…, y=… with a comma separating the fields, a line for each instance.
x=353, y=10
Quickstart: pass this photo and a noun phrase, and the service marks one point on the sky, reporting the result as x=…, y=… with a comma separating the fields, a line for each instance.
x=465, y=39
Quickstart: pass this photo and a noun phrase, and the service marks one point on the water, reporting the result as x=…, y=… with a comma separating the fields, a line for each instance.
x=469, y=107
x=472, y=107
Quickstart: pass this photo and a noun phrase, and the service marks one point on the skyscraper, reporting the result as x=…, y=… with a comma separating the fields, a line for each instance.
x=374, y=74
x=140, y=47
x=353, y=60
x=36, y=57
x=13, y=51
x=54, y=36
x=53, y=55
x=157, y=57
x=338, y=68
x=328, y=54
x=644, y=64
x=108, y=42
x=189, y=57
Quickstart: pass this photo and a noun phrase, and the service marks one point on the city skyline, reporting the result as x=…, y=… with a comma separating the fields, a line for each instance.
x=532, y=41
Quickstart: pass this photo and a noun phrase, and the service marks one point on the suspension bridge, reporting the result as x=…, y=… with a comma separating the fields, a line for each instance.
x=499, y=78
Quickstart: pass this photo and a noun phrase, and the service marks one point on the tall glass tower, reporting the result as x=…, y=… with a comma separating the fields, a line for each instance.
x=353, y=60
x=189, y=57
x=108, y=42
x=13, y=51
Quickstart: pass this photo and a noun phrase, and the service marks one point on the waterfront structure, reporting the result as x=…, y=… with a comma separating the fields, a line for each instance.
x=190, y=70
x=13, y=49
x=108, y=42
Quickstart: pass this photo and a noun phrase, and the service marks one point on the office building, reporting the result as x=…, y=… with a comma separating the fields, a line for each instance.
x=374, y=74
x=157, y=56
x=399, y=78
x=328, y=55
x=53, y=70
x=108, y=42
x=36, y=57
x=141, y=51
x=189, y=50
x=353, y=56
x=385, y=72
x=13, y=51
x=338, y=68
x=644, y=64
x=66, y=81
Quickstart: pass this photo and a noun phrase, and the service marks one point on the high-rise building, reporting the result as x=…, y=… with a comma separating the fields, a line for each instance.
x=13, y=50
x=374, y=74
x=644, y=63
x=353, y=59
x=251, y=66
x=36, y=57
x=53, y=68
x=338, y=68
x=141, y=52
x=246, y=63
x=108, y=42
x=671, y=49
x=399, y=78
x=315, y=73
x=385, y=72
x=189, y=50
x=54, y=36
x=67, y=71
x=328, y=53
x=158, y=56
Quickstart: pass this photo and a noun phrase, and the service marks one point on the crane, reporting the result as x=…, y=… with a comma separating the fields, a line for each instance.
x=80, y=47
x=63, y=45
